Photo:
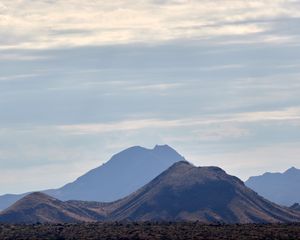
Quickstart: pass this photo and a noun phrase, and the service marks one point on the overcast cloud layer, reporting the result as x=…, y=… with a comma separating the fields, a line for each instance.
x=81, y=80
x=56, y=23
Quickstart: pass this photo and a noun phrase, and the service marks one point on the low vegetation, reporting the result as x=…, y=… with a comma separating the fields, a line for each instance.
x=147, y=230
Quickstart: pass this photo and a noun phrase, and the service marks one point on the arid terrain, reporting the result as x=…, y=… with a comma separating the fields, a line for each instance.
x=149, y=231
x=181, y=193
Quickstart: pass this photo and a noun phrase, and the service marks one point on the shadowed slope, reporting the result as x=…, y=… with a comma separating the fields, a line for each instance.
x=39, y=207
x=181, y=193
x=208, y=194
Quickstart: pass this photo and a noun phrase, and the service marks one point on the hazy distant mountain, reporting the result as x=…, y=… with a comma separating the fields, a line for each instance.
x=39, y=207
x=181, y=193
x=281, y=188
x=123, y=174
x=8, y=199
x=295, y=206
x=208, y=194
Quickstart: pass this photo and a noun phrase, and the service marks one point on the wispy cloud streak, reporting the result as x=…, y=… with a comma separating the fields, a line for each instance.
x=289, y=114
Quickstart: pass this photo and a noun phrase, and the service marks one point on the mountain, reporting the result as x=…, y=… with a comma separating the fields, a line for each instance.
x=123, y=174
x=181, y=193
x=295, y=206
x=188, y=193
x=39, y=207
x=281, y=188
x=8, y=199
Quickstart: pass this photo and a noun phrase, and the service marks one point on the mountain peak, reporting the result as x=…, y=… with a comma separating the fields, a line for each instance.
x=292, y=170
x=183, y=192
x=207, y=194
x=39, y=207
x=280, y=187
x=37, y=195
x=183, y=163
x=32, y=200
x=164, y=147
x=295, y=206
x=167, y=152
x=125, y=172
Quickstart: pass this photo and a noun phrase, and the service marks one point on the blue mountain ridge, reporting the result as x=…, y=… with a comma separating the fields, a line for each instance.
x=123, y=174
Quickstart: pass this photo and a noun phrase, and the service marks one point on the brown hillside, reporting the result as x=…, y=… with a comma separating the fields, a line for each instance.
x=188, y=193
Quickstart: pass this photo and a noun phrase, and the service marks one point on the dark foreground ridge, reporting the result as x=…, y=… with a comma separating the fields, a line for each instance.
x=150, y=231
x=206, y=194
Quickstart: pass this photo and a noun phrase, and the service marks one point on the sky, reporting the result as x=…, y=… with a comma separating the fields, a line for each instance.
x=219, y=81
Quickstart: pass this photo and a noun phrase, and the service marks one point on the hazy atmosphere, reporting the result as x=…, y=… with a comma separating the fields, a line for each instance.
x=82, y=80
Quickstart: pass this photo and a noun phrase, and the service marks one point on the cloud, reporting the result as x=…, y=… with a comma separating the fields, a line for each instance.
x=128, y=125
x=155, y=87
x=19, y=57
x=289, y=114
x=221, y=132
x=44, y=24
x=18, y=77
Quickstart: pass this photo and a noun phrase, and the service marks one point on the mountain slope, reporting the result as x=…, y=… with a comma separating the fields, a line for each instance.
x=181, y=193
x=39, y=207
x=295, y=206
x=208, y=194
x=123, y=174
x=281, y=188
x=8, y=199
